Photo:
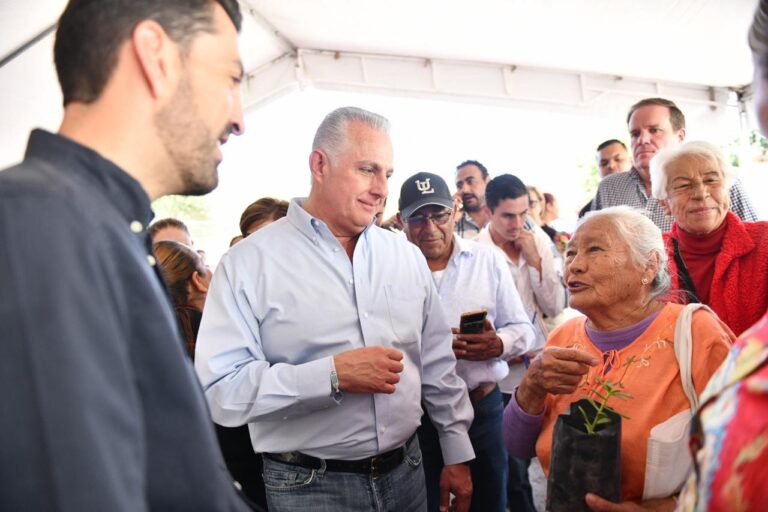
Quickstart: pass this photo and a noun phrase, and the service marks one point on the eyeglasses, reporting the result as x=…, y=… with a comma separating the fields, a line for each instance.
x=439, y=219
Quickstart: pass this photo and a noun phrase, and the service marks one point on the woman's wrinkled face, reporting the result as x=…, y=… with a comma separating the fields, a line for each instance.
x=696, y=194
x=599, y=270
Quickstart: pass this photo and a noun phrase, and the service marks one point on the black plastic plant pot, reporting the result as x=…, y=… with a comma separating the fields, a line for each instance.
x=582, y=462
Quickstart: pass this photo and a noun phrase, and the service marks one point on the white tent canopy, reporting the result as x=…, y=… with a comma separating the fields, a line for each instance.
x=578, y=56
x=551, y=64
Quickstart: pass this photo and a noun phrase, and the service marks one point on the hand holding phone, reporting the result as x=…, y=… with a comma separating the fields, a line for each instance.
x=472, y=322
x=476, y=339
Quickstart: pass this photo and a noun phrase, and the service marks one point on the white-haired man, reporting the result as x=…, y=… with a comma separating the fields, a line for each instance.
x=324, y=333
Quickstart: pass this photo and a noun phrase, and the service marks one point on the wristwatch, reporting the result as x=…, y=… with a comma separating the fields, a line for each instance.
x=336, y=393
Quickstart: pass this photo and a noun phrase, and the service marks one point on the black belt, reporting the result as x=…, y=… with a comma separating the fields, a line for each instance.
x=376, y=465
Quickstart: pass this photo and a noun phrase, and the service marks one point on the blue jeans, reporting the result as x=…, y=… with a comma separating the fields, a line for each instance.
x=292, y=488
x=489, y=469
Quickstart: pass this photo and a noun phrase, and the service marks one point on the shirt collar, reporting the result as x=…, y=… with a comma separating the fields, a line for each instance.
x=461, y=247
x=85, y=164
x=484, y=235
x=302, y=220
x=310, y=226
x=466, y=218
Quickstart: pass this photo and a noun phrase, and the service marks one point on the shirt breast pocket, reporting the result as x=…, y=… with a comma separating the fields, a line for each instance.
x=406, y=312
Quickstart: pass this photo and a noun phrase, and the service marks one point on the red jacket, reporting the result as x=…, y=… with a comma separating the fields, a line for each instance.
x=739, y=293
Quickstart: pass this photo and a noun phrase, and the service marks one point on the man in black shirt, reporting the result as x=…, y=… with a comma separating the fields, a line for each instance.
x=102, y=411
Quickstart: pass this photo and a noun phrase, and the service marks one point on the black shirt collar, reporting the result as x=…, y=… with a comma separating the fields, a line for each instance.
x=85, y=164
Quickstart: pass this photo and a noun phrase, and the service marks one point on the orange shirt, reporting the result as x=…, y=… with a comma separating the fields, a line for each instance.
x=653, y=379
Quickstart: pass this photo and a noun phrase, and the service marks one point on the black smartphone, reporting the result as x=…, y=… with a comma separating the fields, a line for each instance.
x=472, y=322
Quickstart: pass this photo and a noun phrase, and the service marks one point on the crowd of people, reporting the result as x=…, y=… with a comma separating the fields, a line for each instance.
x=336, y=360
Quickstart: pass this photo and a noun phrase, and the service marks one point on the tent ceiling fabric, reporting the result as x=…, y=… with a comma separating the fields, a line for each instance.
x=571, y=53
x=688, y=41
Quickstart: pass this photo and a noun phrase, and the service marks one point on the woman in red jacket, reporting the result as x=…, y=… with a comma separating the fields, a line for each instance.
x=714, y=257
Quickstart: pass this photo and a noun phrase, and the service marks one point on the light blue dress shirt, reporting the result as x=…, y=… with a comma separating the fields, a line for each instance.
x=285, y=300
x=477, y=277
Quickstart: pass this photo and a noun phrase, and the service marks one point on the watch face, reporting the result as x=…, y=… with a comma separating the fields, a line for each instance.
x=335, y=391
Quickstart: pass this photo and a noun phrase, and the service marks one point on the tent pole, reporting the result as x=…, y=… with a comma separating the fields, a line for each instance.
x=26, y=45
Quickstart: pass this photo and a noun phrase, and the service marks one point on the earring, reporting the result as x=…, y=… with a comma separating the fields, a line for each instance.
x=645, y=280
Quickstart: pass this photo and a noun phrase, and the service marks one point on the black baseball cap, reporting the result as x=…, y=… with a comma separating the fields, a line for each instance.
x=422, y=189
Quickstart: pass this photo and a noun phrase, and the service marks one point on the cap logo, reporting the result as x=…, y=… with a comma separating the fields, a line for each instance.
x=424, y=187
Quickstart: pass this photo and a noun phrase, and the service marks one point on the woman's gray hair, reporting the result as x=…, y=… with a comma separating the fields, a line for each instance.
x=643, y=237
x=331, y=135
x=700, y=149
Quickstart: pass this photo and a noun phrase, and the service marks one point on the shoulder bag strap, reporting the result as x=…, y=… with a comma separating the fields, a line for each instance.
x=685, y=277
x=683, y=350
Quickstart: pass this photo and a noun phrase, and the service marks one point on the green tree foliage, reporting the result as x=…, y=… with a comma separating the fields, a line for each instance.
x=187, y=208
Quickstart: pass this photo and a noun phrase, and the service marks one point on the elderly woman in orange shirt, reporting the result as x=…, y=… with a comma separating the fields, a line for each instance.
x=714, y=257
x=616, y=272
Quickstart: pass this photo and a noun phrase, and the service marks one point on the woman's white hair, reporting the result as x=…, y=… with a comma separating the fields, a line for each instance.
x=331, y=135
x=661, y=162
x=644, y=240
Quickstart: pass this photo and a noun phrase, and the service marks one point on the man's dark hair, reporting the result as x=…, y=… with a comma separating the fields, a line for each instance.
x=168, y=222
x=477, y=164
x=90, y=33
x=758, y=37
x=503, y=187
x=676, y=117
x=610, y=142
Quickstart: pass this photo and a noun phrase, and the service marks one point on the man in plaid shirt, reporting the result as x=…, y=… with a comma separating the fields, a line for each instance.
x=655, y=124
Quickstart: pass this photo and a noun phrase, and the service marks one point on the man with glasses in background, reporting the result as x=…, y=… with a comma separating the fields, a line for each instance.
x=469, y=277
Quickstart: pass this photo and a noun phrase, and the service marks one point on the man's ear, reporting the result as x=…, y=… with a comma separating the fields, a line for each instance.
x=665, y=206
x=157, y=57
x=318, y=165
x=486, y=210
x=681, y=134
x=405, y=227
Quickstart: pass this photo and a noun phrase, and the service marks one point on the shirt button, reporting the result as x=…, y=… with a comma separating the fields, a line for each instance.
x=136, y=226
x=383, y=429
x=151, y=260
x=365, y=314
x=351, y=281
x=336, y=249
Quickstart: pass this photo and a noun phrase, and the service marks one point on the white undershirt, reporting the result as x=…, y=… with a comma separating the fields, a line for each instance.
x=437, y=275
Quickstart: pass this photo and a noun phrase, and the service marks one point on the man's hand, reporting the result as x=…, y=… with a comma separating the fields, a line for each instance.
x=458, y=205
x=477, y=347
x=526, y=244
x=457, y=480
x=599, y=504
x=392, y=222
x=369, y=370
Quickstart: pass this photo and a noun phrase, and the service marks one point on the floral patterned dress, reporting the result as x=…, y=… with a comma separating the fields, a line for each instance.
x=730, y=438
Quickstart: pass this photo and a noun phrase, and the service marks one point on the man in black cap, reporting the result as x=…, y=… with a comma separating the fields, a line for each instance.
x=469, y=277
